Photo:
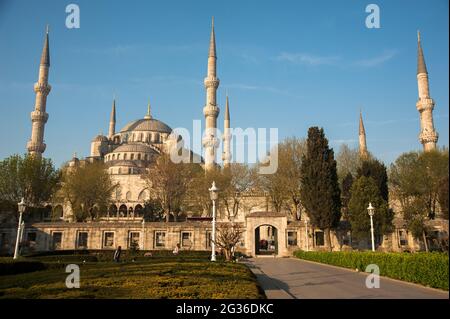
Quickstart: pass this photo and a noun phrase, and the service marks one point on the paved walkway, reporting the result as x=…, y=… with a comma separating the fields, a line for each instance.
x=291, y=278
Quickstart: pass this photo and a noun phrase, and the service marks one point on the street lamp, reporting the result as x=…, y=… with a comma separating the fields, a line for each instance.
x=213, y=191
x=371, y=211
x=21, y=207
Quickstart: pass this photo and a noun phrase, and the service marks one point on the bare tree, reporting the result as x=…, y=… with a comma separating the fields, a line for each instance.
x=228, y=237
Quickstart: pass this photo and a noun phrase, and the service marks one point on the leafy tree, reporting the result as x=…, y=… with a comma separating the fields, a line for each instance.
x=153, y=210
x=88, y=189
x=364, y=191
x=168, y=183
x=320, y=191
x=348, y=161
x=346, y=186
x=416, y=180
x=30, y=177
x=237, y=179
x=377, y=170
x=443, y=197
x=283, y=186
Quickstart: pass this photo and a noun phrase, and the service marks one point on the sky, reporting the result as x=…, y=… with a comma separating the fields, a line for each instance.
x=284, y=64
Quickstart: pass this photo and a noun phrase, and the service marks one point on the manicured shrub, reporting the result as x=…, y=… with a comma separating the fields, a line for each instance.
x=9, y=266
x=429, y=269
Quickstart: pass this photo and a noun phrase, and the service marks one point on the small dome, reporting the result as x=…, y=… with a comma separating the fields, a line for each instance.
x=147, y=124
x=100, y=138
x=134, y=147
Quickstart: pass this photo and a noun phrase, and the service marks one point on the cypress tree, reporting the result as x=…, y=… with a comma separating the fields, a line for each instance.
x=320, y=191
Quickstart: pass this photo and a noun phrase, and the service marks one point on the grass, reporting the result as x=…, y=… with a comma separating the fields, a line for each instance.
x=156, y=278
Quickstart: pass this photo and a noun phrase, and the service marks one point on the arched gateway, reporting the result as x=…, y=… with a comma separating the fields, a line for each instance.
x=265, y=234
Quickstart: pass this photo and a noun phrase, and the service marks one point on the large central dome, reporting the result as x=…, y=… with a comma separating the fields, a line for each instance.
x=147, y=124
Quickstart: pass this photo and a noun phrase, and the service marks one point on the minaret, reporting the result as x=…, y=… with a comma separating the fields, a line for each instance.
x=39, y=117
x=425, y=105
x=112, y=121
x=226, y=156
x=363, y=153
x=211, y=110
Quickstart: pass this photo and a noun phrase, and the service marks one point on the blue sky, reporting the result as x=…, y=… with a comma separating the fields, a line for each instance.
x=285, y=64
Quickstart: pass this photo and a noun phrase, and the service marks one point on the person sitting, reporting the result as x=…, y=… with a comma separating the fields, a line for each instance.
x=176, y=249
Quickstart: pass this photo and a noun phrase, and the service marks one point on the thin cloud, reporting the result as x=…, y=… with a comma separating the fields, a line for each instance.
x=307, y=59
x=377, y=60
x=249, y=87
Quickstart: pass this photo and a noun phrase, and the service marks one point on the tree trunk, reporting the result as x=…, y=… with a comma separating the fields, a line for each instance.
x=425, y=241
x=328, y=232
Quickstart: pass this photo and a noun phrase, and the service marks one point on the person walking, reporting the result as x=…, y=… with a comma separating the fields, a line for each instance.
x=117, y=254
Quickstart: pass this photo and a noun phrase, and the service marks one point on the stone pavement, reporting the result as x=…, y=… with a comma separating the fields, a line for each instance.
x=292, y=278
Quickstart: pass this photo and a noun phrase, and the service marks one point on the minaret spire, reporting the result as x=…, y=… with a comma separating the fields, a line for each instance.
x=425, y=104
x=226, y=156
x=112, y=120
x=39, y=116
x=211, y=110
x=363, y=153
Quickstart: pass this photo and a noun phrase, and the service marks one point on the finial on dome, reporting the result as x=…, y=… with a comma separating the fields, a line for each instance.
x=148, y=115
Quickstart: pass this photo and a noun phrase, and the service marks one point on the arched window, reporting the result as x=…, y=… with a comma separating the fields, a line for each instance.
x=112, y=210
x=118, y=156
x=123, y=210
x=132, y=156
x=128, y=196
x=125, y=156
x=138, y=210
x=139, y=156
x=114, y=156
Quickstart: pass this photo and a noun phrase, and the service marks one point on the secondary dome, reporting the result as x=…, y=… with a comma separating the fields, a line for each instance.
x=147, y=124
x=139, y=148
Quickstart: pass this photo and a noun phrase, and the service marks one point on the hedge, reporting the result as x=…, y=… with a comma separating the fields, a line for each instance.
x=428, y=269
x=9, y=266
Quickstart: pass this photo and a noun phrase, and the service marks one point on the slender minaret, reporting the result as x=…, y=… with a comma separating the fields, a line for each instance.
x=363, y=153
x=39, y=117
x=425, y=105
x=112, y=120
x=211, y=110
x=226, y=156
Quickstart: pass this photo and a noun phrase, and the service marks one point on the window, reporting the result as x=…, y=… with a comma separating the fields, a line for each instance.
x=160, y=239
x=82, y=240
x=139, y=156
x=4, y=242
x=57, y=240
x=118, y=156
x=108, y=240
x=403, y=238
x=320, y=240
x=125, y=156
x=186, y=239
x=31, y=237
x=132, y=156
x=133, y=239
x=292, y=238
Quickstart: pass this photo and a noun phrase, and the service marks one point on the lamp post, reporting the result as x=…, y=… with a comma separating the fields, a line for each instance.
x=306, y=234
x=21, y=207
x=213, y=191
x=371, y=211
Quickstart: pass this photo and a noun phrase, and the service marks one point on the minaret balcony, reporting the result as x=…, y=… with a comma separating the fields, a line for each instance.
x=428, y=137
x=211, y=110
x=36, y=147
x=211, y=82
x=43, y=88
x=38, y=116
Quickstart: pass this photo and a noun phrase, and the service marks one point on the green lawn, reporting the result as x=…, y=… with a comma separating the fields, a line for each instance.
x=153, y=278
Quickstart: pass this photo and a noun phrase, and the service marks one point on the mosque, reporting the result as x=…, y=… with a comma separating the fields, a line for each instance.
x=128, y=152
